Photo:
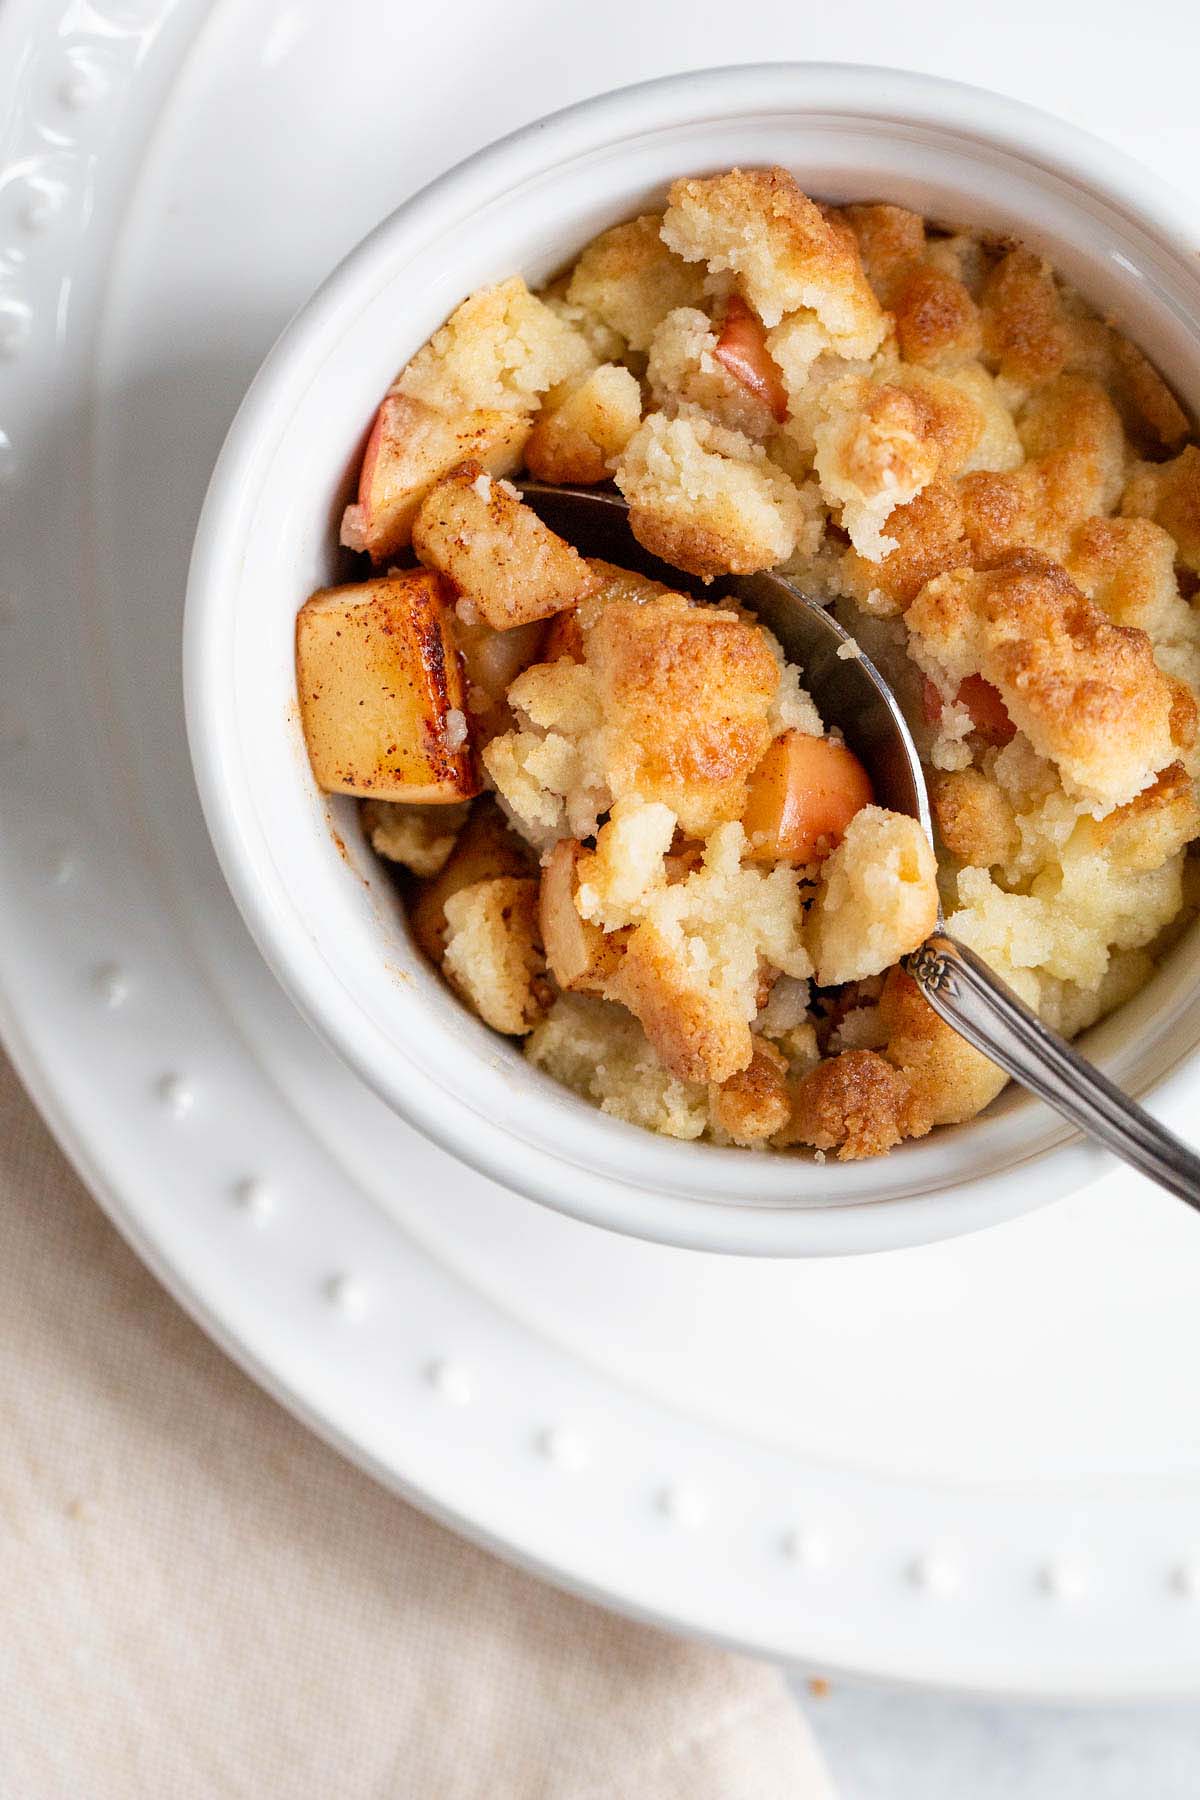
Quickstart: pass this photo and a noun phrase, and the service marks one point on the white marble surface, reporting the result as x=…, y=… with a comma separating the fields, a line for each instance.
x=883, y=1744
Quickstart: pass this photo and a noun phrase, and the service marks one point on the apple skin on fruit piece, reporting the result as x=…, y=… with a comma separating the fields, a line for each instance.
x=564, y=638
x=803, y=794
x=989, y=715
x=742, y=350
x=410, y=447
x=381, y=691
x=578, y=952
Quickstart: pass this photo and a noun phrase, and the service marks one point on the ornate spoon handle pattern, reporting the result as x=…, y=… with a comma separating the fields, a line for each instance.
x=985, y=1011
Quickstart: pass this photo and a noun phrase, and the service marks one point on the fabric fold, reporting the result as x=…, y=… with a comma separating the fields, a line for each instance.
x=201, y=1599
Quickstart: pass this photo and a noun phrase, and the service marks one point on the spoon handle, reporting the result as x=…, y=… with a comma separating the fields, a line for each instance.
x=985, y=1011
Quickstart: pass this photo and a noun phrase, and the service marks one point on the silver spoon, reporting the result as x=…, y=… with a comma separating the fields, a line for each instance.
x=957, y=984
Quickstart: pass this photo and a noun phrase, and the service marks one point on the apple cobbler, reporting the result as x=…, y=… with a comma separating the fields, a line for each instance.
x=624, y=834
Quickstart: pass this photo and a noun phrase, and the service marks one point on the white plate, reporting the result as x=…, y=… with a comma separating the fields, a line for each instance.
x=976, y=1464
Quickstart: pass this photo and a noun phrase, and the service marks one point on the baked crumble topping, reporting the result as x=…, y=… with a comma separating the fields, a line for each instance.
x=625, y=835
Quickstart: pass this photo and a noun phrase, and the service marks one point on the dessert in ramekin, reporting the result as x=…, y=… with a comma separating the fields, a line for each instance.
x=321, y=906
x=629, y=839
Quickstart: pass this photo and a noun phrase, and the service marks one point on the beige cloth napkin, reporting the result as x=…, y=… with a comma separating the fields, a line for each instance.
x=199, y=1599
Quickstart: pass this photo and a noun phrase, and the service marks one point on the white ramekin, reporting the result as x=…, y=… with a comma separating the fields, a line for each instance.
x=321, y=910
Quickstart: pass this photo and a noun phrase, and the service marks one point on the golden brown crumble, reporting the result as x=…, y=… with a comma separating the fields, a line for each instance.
x=678, y=890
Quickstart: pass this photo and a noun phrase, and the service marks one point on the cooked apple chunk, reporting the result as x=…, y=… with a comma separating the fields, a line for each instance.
x=494, y=659
x=564, y=638
x=803, y=794
x=723, y=371
x=509, y=567
x=742, y=350
x=381, y=691
x=578, y=952
x=410, y=447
